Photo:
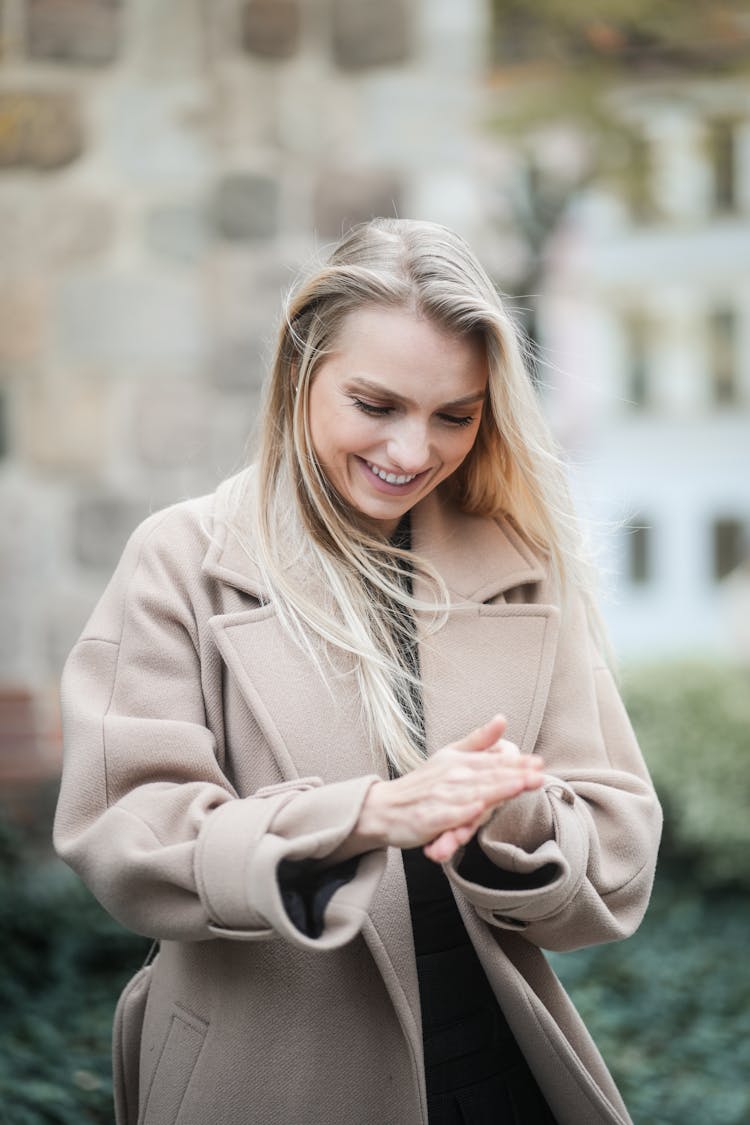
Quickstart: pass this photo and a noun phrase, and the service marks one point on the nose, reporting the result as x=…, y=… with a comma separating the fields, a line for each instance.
x=409, y=446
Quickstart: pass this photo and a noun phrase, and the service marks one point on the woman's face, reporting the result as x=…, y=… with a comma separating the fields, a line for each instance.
x=394, y=410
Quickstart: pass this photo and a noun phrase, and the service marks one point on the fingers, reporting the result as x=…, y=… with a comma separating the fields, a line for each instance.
x=512, y=781
x=485, y=736
x=447, y=843
x=442, y=849
x=489, y=737
x=458, y=778
x=509, y=749
x=442, y=802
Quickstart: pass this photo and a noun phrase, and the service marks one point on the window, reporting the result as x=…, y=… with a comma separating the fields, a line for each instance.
x=638, y=179
x=723, y=157
x=517, y=33
x=728, y=546
x=722, y=341
x=637, y=344
x=639, y=551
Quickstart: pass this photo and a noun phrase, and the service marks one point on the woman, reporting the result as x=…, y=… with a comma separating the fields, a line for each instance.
x=340, y=737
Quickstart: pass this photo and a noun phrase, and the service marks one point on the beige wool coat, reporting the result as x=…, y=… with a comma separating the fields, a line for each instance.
x=202, y=749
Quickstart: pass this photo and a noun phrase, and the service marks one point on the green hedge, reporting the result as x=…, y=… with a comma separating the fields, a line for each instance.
x=693, y=724
x=64, y=962
x=670, y=1008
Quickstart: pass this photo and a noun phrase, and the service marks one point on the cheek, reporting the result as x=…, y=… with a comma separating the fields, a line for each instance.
x=316, y=415
x=462, y=445
x=336, y=434
x=318, y=440
x=357, y=432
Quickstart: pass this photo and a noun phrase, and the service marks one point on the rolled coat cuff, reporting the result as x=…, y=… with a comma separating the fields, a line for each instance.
x=527, y=863
x=244, y=842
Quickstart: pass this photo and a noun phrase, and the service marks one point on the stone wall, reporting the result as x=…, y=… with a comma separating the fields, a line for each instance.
x=165, y=165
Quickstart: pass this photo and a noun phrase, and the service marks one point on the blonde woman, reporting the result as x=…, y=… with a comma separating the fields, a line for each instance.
x=341, y=737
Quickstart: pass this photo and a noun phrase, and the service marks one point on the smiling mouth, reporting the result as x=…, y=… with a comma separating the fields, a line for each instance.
x=391, y=478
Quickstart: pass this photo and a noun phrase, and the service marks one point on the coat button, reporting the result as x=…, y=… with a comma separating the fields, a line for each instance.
x=565, y=794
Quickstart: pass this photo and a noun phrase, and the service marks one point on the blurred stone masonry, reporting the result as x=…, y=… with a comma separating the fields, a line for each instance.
x=76, y=31
x=39, y=129
x=165, y=167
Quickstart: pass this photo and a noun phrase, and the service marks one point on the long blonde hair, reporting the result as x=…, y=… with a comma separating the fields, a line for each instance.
x=301, y=529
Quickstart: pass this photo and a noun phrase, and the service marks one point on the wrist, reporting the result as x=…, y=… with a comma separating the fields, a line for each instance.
x=371, y=824
x=367, y=834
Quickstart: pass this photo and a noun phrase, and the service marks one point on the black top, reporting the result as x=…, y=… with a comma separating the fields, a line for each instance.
x=474, y=1069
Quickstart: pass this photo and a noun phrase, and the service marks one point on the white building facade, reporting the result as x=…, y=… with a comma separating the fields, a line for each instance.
x=646, y=318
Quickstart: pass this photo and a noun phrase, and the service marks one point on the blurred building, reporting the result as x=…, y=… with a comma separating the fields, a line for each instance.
x=165, y=168
x=645, y=314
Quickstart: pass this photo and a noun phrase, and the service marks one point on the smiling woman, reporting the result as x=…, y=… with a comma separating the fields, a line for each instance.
x=341, y=738
x=394, y=409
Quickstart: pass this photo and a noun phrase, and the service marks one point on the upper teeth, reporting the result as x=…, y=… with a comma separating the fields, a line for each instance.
x=391, y=478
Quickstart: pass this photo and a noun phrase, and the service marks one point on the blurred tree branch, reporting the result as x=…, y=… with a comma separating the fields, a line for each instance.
x=557, y=69
x=623, y=36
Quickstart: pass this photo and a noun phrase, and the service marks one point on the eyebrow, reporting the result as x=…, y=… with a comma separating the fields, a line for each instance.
x=378, y=389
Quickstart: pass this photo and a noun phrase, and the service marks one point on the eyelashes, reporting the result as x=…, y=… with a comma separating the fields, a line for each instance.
x=456, y=420
x=374, y=411
x=370, y=408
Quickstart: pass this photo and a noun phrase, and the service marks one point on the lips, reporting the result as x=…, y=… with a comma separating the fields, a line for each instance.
x=390, y=478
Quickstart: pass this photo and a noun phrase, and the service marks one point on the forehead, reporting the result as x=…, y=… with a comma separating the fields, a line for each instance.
x=399, y=348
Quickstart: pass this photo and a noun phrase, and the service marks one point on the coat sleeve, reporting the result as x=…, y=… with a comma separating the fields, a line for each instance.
x=146, y=815
x=572, y=863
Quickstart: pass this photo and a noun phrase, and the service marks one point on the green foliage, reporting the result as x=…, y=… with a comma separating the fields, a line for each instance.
x=693, y=724
x=624, y=35
x=64, y=963
x=670, y=1008
x=570, y=66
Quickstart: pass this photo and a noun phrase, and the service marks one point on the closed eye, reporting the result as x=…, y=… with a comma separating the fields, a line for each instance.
x=371, y=408
x=378, y=411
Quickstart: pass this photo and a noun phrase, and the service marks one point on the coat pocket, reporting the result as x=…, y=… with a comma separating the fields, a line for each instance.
x=182, y=1046
x=126, y=1046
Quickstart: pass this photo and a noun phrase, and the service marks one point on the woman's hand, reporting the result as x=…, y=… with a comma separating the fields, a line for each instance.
x=443, y=802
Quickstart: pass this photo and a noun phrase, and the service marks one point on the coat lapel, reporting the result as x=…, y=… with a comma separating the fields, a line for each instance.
x=310, y=717
x=309, y=712
x=315, y=728
x=484, y=661
x=488, y=656
x=313, y=724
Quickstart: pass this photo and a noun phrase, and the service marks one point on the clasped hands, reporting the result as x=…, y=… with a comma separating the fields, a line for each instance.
x=442, y=802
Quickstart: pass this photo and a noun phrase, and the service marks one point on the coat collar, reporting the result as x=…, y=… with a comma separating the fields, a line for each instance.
x=478, y=558
x=227, y=558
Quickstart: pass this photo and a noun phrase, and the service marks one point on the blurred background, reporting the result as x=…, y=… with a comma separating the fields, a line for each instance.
x=165, y=168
